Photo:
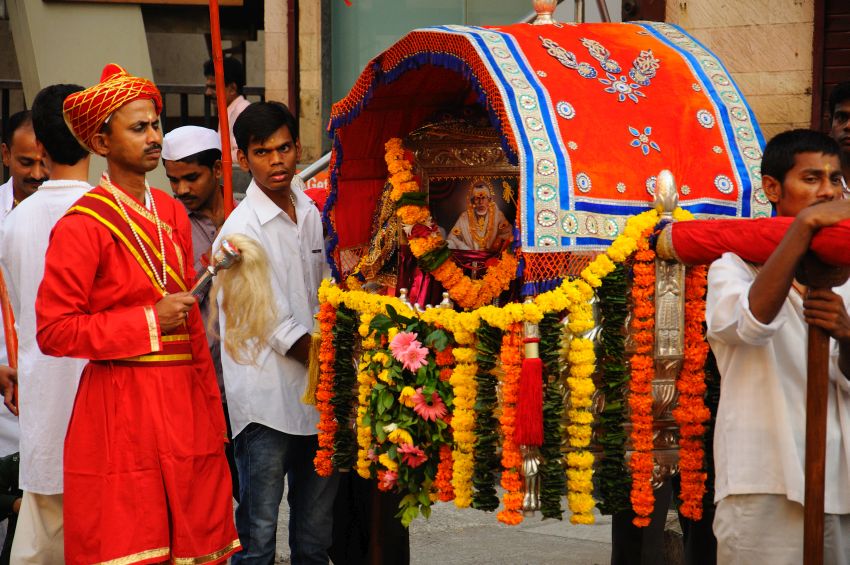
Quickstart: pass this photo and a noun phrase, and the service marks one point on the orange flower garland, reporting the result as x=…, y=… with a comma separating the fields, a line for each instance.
x=511, y=358
x=464, y=291
x=691, y=412
x=443, y=480
x=325, y=392
x=640, y=387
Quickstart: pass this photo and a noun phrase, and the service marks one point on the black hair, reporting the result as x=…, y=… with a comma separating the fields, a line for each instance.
x=781, y=151
x=260, y=120
x=839, y=94
x=206, y=158
x=234, y=72
x=50, y=127
x=16, y=121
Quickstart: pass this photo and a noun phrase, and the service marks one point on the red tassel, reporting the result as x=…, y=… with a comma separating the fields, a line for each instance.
x=529, y=406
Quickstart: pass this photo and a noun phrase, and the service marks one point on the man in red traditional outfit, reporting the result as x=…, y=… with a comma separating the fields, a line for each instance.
x=145, y=475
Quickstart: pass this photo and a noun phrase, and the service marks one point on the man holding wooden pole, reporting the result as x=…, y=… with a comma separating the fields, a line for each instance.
x=757, y=325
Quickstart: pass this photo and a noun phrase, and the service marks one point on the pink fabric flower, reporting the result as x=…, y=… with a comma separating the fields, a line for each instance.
x=429, y=411
x=407, y=349
x=412, y=455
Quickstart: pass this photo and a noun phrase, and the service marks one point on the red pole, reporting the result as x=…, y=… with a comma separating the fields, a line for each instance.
x=221, y=105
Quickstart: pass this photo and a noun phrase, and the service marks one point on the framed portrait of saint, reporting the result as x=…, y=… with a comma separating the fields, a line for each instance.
x=475, y=213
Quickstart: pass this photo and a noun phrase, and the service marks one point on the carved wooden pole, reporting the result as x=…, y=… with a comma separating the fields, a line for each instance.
x=815, y=274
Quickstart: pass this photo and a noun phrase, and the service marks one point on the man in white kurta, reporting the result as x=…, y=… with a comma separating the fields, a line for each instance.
x=756, y=320
x=9, y=430
x=47, y=385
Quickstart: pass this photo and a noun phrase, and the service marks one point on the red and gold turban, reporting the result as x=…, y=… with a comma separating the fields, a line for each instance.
x=87, y=110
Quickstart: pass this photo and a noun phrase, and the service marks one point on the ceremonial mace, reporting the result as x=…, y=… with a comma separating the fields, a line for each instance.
x=226, y=256
x=814, y=273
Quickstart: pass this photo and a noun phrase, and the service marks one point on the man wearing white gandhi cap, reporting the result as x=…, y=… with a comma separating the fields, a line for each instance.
x=192, y=159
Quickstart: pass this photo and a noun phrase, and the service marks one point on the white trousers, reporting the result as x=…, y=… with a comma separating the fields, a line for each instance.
x=40, y=535
x=755, y=529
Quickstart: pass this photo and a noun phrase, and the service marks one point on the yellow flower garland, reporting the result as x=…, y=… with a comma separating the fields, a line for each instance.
x=366, y=380
x=463, y=424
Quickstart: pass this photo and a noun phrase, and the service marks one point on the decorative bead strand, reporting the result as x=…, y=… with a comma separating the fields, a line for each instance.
x=161, y=282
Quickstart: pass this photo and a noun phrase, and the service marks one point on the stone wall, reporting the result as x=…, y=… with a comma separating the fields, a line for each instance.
x=767, y=47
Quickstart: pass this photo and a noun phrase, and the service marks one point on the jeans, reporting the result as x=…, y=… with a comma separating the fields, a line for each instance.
x=264, y=457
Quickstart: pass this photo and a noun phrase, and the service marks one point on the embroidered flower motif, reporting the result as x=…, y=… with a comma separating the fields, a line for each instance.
x=752, y=153
x=565, y=110
x=546, y=218
x=533, y=123
x=696, y=87
x=540, y=144
x=685, y=189
x=583, y=182
x=622, y=88
x=744, y=133
x=621, y=187
x=650, y=185
x=527, y=102
x=761, y=197
x=642, y=140
x=541, y=74
x=545, y=167
x=705, y=119
x=611, y=228
x=546, y=241
x=586, y=70
x=724, y=184
x=569, y=223
x=644, y=68
x=572, y=145
x=545, y=192
x=520, y=83
x=591, y=225
x=717, y=149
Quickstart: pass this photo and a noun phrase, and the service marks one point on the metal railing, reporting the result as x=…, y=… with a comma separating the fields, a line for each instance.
x=184, y=91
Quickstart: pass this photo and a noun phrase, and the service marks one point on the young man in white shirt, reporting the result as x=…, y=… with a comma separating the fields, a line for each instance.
x=756, y=320
x=47, y=385
x=275, y=434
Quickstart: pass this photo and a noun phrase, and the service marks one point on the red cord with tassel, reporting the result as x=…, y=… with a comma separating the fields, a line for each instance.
x=529, y=407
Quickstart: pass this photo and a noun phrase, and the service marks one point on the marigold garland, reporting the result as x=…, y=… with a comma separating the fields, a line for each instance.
x=365, y=380
x=463, y=424
x=640, y=387
x=511, y=357
x=443, y=480
x=692, y=412
x=324, y=393
x=413, y=210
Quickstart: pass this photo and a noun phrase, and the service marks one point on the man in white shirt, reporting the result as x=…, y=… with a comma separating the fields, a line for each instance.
x=47, y=385
x=275, y=434
x=756, y=320
x=234, y=81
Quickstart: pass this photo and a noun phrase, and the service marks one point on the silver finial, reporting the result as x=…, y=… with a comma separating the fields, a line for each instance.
x=446, y=302
x=544, y=9
x=666, y=194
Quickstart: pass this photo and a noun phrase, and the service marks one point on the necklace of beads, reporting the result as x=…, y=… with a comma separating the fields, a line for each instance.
x=114, y=191
x=481, y=232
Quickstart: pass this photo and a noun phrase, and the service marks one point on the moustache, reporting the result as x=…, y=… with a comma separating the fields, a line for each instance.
x=33, y=180
x=153, y=147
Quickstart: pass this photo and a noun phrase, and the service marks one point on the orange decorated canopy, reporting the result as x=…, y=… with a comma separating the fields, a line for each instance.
x=590, y=113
